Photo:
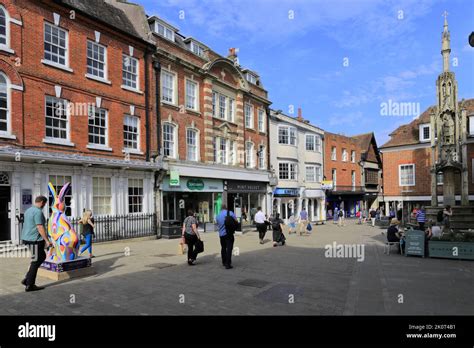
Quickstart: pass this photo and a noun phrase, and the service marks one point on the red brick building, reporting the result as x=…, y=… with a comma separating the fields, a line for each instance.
x=214, y=129
x=74, y=78
x=353, y=164
x=407, y=163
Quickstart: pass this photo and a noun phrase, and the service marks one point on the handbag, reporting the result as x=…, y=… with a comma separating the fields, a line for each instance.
x=309, y=228
x=199, y=246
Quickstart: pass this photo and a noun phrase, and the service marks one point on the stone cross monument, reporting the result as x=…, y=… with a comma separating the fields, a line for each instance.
x=448, y=132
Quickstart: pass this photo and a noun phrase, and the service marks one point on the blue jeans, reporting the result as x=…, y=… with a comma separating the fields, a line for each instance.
x=88, y=244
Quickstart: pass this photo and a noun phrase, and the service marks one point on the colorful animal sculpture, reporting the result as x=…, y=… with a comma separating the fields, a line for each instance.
x=60, y=231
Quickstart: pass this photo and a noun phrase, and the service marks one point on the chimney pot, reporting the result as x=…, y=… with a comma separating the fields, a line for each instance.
x=300, y=116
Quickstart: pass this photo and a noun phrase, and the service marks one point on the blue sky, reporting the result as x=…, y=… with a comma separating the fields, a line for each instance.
x=338, y=60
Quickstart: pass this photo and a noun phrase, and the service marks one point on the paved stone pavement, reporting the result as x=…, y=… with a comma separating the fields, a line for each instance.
x=147, y=277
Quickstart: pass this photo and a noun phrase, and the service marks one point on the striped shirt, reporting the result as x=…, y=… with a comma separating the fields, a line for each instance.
x=421, y=216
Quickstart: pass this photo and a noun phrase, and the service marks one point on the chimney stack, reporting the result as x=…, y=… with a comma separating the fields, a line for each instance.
x=233, y=54
x=300, y=116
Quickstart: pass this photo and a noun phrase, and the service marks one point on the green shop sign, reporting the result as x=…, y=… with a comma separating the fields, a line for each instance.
x=174, y=178
x=195, y=184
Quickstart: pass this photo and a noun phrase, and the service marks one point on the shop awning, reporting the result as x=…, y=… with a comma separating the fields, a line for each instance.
x=314, y=194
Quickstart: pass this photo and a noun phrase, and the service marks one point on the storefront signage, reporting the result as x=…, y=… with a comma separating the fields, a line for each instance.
x=327, y=184
x=174, y=178
x=286, y=192
x=246, y=187
x=193, y=185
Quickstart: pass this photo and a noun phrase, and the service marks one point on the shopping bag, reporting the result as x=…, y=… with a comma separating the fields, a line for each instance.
x=199, y=246
x=309, y=228
x=180, y=249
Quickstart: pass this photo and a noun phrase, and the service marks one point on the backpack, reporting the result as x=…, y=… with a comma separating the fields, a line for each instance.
x=439, y=216
x=276, y=224
x=230, y=224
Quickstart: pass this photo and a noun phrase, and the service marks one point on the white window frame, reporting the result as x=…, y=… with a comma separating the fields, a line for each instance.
x=105, y=70
x=167, y=33
x=137, y=74
x=334, y=153
x=228, y=111
x=6, y=46
x=249, y=154
x=353, y=156
x=66, y=48
x=68, y=120
x=261, y=120
x=8, y=133
x=334, y=177
x=194, y=107
x=471, y=126
x=400, y=174
x=132, y=183
x=224, y=156
x=196, y=48
x=248, y=115
x=106, y=135
x=292, y=170
x=174, y=141
x=97, y=195
x=422, y=133
x=196, y=145
x=261, y=157
x=174, y=95
x=132, y=149
x=291, y=135
x=353, y=178
x=310, y=171
x=318, y=143
x=251, y=78
x=344, y=155
x=313, y=142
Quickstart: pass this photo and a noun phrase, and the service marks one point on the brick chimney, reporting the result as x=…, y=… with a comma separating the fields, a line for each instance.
x=232, y=54
x=300, y=116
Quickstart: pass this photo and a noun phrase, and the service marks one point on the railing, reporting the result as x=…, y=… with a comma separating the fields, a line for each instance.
x=114, y=227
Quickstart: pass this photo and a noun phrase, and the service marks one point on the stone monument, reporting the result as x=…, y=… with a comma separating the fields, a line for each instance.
x=448, y=139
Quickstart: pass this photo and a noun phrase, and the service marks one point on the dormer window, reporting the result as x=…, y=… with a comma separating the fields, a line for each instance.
x=196, y=48
x=425, y=132
x=251, y=78
x=164, y=31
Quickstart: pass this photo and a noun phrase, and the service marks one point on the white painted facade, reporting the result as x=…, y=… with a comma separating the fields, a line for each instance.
x=308, y=192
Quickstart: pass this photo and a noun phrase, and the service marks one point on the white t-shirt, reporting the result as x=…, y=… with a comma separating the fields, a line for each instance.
x=259, y=217
x=436, y=231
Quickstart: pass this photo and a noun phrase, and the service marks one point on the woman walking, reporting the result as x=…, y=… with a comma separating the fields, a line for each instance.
x=87, y=223
x=191, y=236
x=278, y=236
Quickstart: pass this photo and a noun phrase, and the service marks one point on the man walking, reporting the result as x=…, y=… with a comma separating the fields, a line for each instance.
x=421, y=218
x=373, y=214
x=303, y=221
x=35, y=238
x=226, y=235
x=260, y=221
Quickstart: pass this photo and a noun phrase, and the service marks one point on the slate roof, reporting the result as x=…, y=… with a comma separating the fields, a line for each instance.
x=408, y=134
x=105, y=13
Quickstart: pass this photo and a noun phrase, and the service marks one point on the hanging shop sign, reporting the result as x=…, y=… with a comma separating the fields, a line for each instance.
x=193, y=185
x=246, y=187
x=327, y=184
x=174, y=178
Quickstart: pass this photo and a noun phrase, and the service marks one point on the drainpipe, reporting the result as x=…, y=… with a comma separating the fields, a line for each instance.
x=159, y=173
x=147, y=106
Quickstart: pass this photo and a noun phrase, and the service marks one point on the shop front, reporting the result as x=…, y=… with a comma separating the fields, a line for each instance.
x=286, y=202
x=314, y=203
x=350, y=203
x=202, y=195
x=244, y=197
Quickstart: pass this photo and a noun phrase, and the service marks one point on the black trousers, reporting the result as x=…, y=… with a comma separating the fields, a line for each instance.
x=422, y=226
x=262, y=229
x=191, y=240
x=227, y=244
x=38, y=255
